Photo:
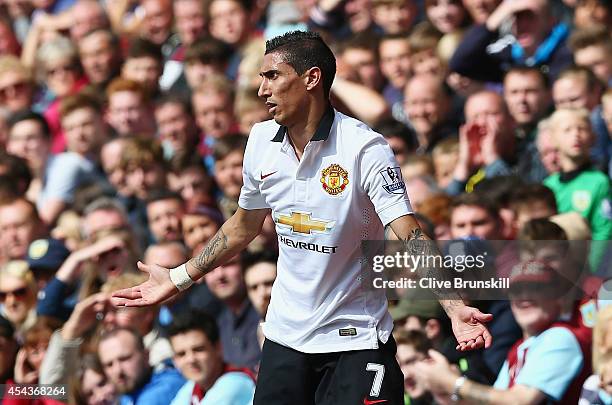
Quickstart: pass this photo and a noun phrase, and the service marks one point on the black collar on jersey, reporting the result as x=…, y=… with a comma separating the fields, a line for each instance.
x=320, y=134
x=566, y=177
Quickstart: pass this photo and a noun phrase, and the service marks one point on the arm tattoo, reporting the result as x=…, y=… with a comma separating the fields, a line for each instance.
x=208, y=255
x=418, y=244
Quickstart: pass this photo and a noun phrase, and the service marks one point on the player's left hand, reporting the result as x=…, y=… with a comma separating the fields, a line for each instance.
x=469, y=329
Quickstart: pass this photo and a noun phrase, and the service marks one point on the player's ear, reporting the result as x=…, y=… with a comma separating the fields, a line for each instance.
x=312, y=77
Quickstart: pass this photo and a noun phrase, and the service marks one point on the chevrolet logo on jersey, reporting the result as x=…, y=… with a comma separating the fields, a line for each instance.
x=301, y=222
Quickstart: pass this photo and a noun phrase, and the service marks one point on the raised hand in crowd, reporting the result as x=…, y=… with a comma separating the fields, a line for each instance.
x=72, y=267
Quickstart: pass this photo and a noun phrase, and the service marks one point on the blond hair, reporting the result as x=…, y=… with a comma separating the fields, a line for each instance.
x=561, y=115
x=19, y=269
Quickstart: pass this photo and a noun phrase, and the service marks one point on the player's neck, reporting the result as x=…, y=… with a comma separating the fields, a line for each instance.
x=302, y=132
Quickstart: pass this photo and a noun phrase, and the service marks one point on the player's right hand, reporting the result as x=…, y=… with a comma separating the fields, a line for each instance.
x=155, y=290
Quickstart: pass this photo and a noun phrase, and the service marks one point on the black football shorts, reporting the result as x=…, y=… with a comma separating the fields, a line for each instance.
x=359, y=377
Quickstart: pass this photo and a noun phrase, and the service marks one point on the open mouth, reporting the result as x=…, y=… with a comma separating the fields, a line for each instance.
x=271, y=107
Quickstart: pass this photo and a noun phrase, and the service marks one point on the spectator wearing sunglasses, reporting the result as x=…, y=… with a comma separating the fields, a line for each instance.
x=18, y=295
x=59, y=69
x=16, y=85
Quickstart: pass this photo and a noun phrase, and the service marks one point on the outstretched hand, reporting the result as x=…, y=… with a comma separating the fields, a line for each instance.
x=469, y=329
x=155, y=290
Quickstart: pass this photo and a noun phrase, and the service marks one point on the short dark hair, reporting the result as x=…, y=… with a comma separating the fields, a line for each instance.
x=208, y=50
x=194, y=320
x=163, y=194
x=519, y=69
x=582, y=72
x=83, y=99
x=115, y=331
x=248, y=260
x=303, y=50
x=141, y=48
x=174, y=98
x=228, y=144
x=28, y=115
x=476, y=199
x=525, y=195
x=16, y=168
x=392, y=128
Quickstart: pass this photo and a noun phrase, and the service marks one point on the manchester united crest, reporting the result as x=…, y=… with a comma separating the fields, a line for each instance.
x=334, y=179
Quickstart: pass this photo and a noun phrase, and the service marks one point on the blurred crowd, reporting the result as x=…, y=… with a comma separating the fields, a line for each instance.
x=123, y=125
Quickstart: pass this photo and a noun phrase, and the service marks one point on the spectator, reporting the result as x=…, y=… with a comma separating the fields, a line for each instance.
x=528, y=99
x=444, y=158
x=395, y=17
x=18, y=295
x=249, y=110
x=204, y=58
x=228, y=155
x=144, y=64
x=176, y=127
x=486, y=142
x=606, y=102
x=199, y=225
x=110, y=159
x=547, y=151
x=595, y=390
x=259, y=275
x=532, y=201
x=480, y=10
x=437, y=210
x=427, y=104
x=45, y=257
x=212, y=102
x=164, y=213
x=156, y=25
x=99, y=53
x=230, y=22
x=448, y=16
x=360, y=56
x=125, y=363
x=8, y=351
x=536, y=41
x=579, y=187
x=394, y=54
x=16, y=170
x=84, y=130
x=29, y=138
x=16, y=85
x=417, y=166
x=475, y=215
x=192, y=182
x=30, y=356
x=401, y=139
x=592, y=47
x=58, y=67
x=424, y=57
x=90, y=385
x=190, y=21
x=238, y=320
x=19, y=226
x=199, y=356
x=142, y=161
x=412, y=346
x=554, y=361
x=141, y=320
x=128, y=107
x=588, y=13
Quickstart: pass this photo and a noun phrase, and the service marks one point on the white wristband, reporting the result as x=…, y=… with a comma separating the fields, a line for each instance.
x=180, y=278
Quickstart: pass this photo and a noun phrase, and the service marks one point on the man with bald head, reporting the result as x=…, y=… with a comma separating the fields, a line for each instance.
x=87, y=16
x=487, y=136
x=427, y=104
x=485, y=53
